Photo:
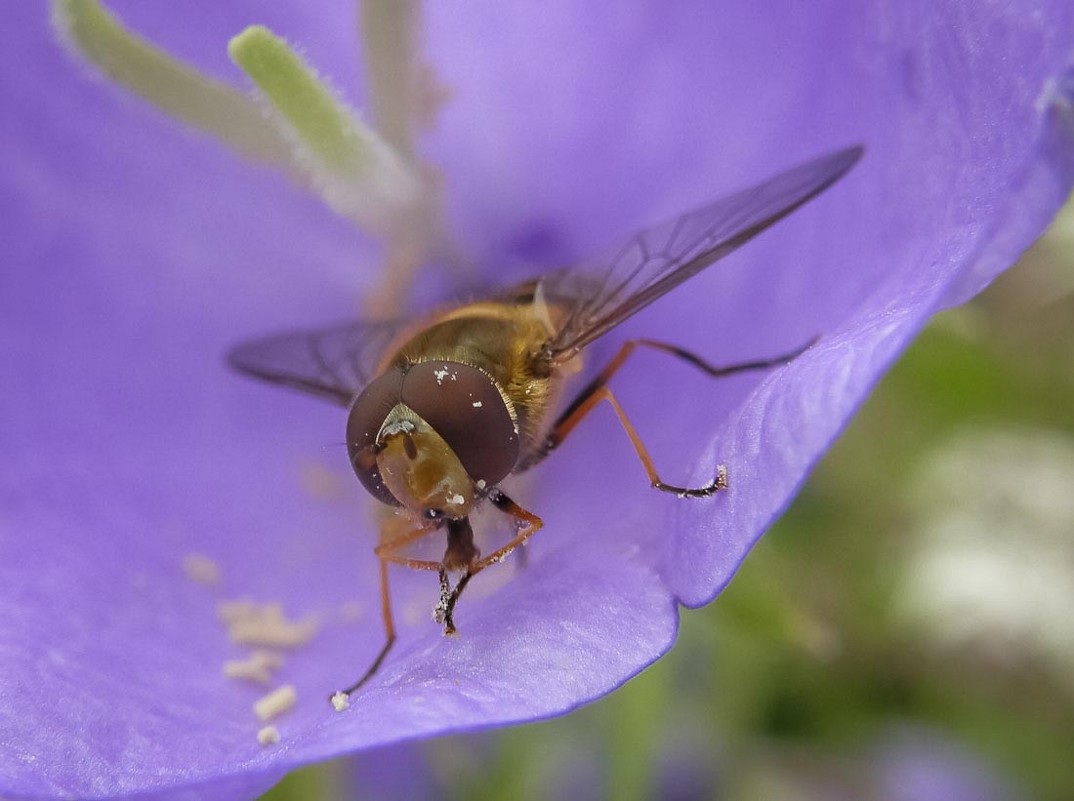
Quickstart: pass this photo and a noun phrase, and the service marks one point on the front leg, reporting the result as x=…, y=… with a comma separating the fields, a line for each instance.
x=394, y=537
x=529, y=525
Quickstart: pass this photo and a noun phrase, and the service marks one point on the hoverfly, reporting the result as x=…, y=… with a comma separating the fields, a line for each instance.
x=442, y=409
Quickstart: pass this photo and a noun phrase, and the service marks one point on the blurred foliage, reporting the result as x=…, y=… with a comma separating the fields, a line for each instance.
x=783, y=686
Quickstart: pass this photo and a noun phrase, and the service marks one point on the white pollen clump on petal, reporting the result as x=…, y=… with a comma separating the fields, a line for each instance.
x=250, y=623
x=341, y=702
x=258, y=667
x=275, y=703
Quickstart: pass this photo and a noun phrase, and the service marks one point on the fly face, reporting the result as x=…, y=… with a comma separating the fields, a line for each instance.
x=426, y=436
x=442, y=411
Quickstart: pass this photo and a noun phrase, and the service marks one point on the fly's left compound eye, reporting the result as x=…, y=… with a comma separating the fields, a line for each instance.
x=366, y=417
x=463, y=406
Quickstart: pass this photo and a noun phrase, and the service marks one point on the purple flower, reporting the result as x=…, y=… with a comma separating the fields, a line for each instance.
x=135, y=254
x=917, y=764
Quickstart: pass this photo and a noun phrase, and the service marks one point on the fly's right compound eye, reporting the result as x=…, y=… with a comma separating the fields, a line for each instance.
x=464, y=407
x=364, y=423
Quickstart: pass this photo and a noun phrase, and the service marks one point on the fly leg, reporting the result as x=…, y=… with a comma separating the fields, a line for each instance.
x=445, y=609
x=597, y=390
x=386, y=552
x=528, y=523
x=389, y=630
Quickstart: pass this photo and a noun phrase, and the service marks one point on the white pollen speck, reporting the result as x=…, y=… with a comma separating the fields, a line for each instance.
x=249, y=623
x=275, y=703
x=268, y=735
x=456, y=499
x=477, y=404
x=258, y=667
x=341, y=702
x=499, y=559
x=440, y=376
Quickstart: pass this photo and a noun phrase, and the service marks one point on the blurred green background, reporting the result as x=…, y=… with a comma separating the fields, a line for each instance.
x=905, y=631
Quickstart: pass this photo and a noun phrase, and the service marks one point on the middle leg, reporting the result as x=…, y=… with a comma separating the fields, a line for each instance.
x=597, y=390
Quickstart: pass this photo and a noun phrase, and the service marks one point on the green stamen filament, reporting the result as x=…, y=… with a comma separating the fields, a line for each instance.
x=358, y=173
x=175, y=88
x=372, y=177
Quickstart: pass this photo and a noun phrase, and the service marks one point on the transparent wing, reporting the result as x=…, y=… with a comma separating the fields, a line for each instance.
x=334, y=363
x=600, y=293
x=337, y=362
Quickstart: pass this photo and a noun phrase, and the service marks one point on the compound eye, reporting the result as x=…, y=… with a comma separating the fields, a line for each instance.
x=364, y=423
x=463, y=406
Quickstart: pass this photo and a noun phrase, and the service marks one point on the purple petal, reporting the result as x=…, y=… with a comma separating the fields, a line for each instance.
x=136, y=253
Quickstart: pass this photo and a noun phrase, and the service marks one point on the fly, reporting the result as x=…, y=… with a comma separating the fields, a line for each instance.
x=444, y=408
